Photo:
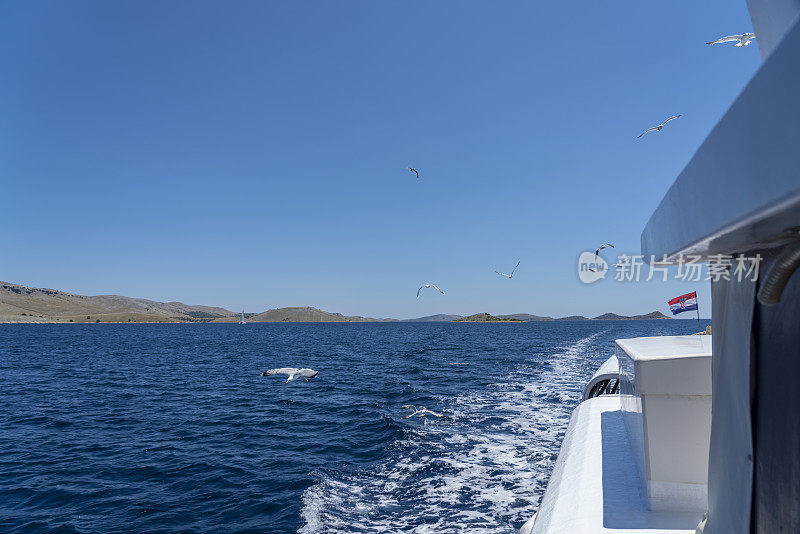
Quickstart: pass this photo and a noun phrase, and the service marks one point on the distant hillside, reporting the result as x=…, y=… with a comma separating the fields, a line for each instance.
x=486, y=318
x=441, y=317
x=615, y=317
x=301, y=315
x=526, y=317
x=20, y=303
x=32, y=304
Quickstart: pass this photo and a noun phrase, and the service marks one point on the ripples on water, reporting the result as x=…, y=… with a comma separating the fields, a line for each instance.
x=165, y=428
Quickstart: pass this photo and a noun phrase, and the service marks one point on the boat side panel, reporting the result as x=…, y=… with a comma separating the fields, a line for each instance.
x=595, y=487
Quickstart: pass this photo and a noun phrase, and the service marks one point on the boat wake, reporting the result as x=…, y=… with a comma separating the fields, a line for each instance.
x=483, y=469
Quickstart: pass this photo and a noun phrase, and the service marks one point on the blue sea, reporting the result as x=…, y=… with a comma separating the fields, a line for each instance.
x=171, y=428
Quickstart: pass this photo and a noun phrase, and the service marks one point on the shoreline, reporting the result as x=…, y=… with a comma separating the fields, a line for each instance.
x=335, y=322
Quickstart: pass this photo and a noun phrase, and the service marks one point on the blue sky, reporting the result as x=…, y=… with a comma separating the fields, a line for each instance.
x=254, y=154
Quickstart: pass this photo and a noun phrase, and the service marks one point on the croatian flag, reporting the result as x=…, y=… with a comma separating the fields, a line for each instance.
x=683, y=303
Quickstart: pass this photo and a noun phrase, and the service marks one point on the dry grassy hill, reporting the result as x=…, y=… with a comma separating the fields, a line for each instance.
x=31, y=304
x=615, y=317
x=22, y=304
x=300, y=315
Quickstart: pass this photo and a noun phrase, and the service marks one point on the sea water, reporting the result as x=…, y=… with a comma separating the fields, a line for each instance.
x=171, y=428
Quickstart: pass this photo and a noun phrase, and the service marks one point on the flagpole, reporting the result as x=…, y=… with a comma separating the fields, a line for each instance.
x=698, y=314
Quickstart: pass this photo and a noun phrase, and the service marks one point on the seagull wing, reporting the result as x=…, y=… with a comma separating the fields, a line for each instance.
x=437, y=288
x=596, y=252
x=412, y=169
x=514, y=269
x=307, y=373
x=727, y=39
x=283, y=371
x=502, y=274
x=669, y=119
x=418, y=290
x=650, y=130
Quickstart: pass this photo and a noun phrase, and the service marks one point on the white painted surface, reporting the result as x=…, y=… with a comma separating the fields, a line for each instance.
x=526, y=528
x=666, y=405
x=594, y=487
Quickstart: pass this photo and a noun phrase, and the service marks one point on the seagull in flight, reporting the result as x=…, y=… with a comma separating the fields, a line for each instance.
x=415, y=171
x=744, y=39
x=596, y=252
x=429, y=285
x=509, y=275
x=659, y=127
x=421, y=412
x=292, y=372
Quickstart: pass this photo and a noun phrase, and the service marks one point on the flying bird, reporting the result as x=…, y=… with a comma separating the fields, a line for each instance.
x=429, y=285
x=659, y=127
x=596, y=252
x=509, y=275
x=292, y=372
x=421, y=412
x=744, y=39
x=415, y=171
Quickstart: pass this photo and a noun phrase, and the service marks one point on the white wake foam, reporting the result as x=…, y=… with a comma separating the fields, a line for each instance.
x=484, y=469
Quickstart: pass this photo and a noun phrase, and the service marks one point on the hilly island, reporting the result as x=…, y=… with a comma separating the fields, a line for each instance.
x=487, y=318
x=23, y=304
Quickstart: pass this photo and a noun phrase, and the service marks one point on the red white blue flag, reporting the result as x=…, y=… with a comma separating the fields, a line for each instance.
x=683, y=303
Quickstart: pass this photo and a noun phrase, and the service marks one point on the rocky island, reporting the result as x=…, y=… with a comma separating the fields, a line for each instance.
x=487, y=318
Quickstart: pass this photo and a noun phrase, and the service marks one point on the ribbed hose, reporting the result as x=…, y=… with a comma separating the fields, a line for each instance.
x=779, y=274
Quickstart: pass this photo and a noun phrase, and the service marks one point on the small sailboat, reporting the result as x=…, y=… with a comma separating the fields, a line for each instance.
x=242, y=321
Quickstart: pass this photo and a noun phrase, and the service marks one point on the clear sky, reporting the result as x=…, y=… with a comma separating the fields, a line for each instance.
x=254, y=154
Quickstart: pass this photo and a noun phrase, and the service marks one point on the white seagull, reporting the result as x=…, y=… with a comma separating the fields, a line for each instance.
x=293, y=372
x=429, y=285
x=422, y=411
x=596, y=252
x=509, y=275
x=744, y=39
x=659, y=127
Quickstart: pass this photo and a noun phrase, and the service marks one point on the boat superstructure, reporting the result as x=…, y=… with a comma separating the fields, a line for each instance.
x=690, y=435
x=634, y=457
